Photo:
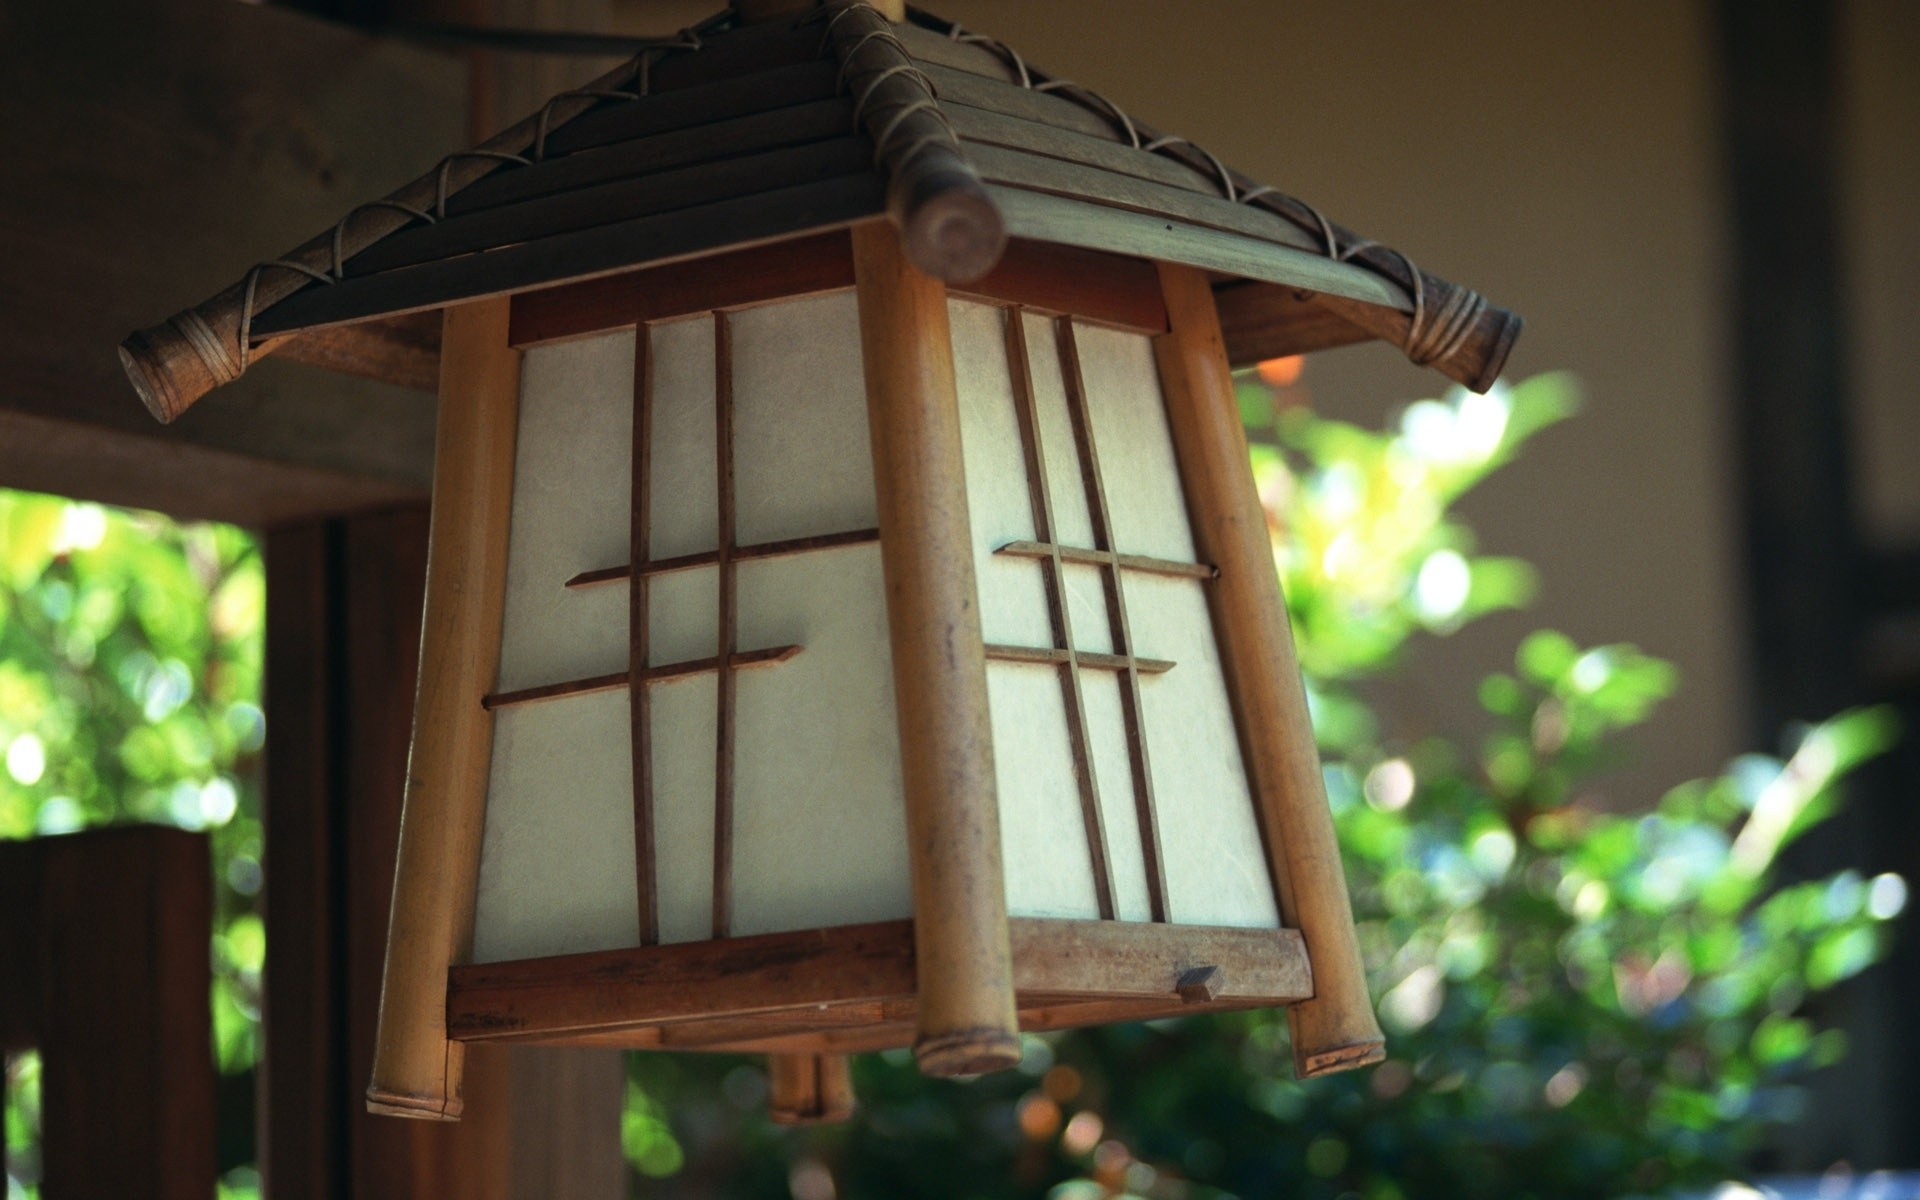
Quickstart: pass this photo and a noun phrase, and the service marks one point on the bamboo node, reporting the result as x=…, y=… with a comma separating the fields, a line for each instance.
x=383, y=1102
x=967, y=1052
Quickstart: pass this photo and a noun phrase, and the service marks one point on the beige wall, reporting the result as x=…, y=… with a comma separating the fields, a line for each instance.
x=1562, y=159
x=1566, y=160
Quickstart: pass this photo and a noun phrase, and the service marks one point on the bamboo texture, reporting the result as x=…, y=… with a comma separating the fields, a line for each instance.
x=809, y=1089
x=964, y=965
x=416, y=1069
x=1336, y=1029
x=951, y=227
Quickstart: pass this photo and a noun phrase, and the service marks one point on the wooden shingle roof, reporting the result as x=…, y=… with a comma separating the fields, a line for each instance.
x=735, y=136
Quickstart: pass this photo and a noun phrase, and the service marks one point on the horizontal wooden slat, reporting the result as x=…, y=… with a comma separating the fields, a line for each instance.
x=930, y=46
x=978, y=125
x=960, y=87
x=809, y=121
x=1108, y=289
x=620, y=121
x=741, y=554
x=1036, y=172
x=664, y=673
x=783, y=213
x=1101, y=558
x=853, y=986
x=1047, y=656
x=589, y=207
x=609, y=989
x=1267, y=320
x=734, y=279
x=1081, y=223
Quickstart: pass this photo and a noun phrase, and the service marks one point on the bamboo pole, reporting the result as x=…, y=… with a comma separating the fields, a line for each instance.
x=952, y=228
x=416, y=1069
x=809, y=1089
x=963, y=965
x=1335, y=1029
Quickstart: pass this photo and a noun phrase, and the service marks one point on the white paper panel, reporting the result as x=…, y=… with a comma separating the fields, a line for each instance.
x=1049, y=871
x=800, y=420
x=685, y=498
x=1012, y=605
x=557, y=860
x=1211, y=851
x=1086, y=596
x=1043, y=834
x=572, y=473
x=1216, y=868
x=1071, y=524
x=1144, y=500
x=683, y=767
x=819, y=828
x=683, y=615
x=1107, y=738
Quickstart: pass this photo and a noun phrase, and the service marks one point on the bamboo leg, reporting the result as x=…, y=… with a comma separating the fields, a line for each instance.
x=1336, y=1029
x=809, y=1089
x=963, y=964
x=416, y=1070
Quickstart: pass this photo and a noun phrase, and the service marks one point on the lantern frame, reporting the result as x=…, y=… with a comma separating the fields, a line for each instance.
x=967, y=175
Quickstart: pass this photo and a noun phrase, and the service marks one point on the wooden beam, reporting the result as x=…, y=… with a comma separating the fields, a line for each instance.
x=1106, y=289
x=139, y=183
x=344, y=599
x=111, y=935
x=855, y=977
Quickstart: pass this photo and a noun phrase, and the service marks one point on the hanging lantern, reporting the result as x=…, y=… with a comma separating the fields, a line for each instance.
x=850, y=622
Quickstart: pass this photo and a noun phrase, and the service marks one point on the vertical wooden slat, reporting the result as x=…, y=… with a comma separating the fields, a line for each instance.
x=125, y=922
x=639, y=636
x=727, y=638
x=304, y=1072
x=416, y=1069
x=963, y=962
x=1114, y=588
x=1053, y=577
x=809, y=1089
x=1336, y=1029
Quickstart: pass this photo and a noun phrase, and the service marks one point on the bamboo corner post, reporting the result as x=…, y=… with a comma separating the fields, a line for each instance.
x=416, y=1069
x=963, y=963
x=809, y=1089
x=1336, y=1029
x=951, y=227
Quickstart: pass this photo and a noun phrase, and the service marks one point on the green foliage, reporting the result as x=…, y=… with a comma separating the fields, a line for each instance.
x=130, y=670
x=1579, y=1001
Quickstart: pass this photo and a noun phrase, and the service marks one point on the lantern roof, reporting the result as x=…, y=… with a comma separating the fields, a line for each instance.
x=740, y=134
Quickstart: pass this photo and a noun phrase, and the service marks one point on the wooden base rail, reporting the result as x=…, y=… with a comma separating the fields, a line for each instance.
x=851, y=988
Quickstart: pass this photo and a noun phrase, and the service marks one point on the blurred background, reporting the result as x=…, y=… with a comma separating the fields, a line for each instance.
x=1704, y=212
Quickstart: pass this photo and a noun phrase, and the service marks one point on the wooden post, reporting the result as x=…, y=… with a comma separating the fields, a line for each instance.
x=103, y=968
x=1336, y=1029
x=809, y=1089
x=416, y=1070
x=963, y=965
